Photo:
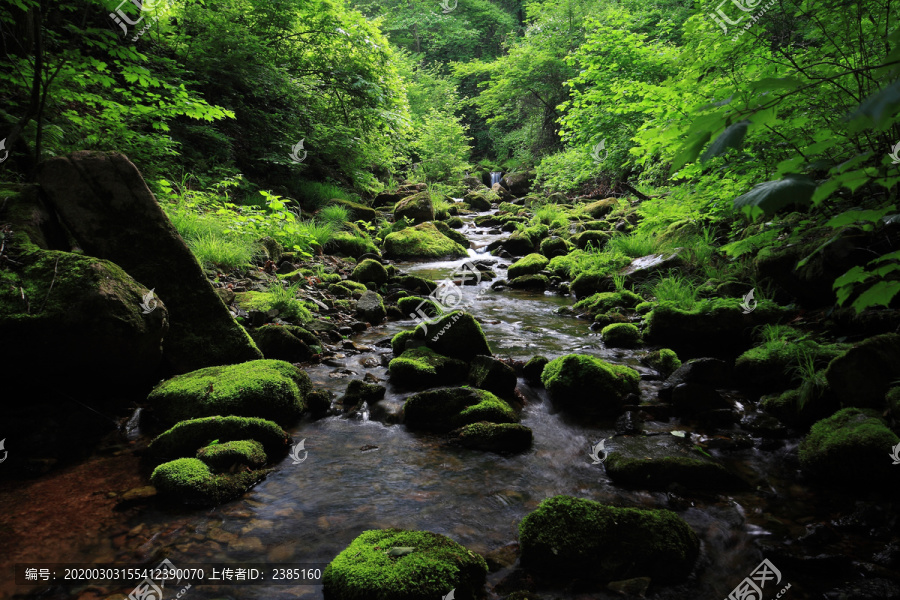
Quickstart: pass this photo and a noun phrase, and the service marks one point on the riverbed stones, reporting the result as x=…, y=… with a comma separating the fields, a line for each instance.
x=664, y=361
x=530, y=282
x=422, y=241
x=493, y=437
x=418, y=208
x=533, y=368
x=290, y=343
x=457, y=335
x=568, y=537
x=420, y=368
x=269, y=389
x=370, y=270
x=588, y=385
x=429, y=566
x=187, y=437
x=481, y=199
x=446, y=409
x=490, y=374
x=108, y=208
x=370, y=307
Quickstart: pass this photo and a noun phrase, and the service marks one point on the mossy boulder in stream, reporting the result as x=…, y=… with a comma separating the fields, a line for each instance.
x=370, y=307
x=600, y=208
x=595, y=239
x=490, y=374
x=533, y=369
x=419, y=368
x=286, y=342
x=656, y=462
x=852, y=445
x=664, y=360
x=554, y=246
x=398, y=342
x=187, y=437
x=526, y=241
x=588, y=385
x=567, y=537
x=621, y=335
x=417, y=307
x=456, y=334
x=269, y=389
x=422, y=241
x=452, y=234
x=370, y=270
x=412, y=565
x=418, y=208
x=527, y=265
x=348, y=244
x=191, y=481
x=767, y=367
x=225, y=456
x=494, y=437
x=603, y=302
x=449, y=408
x=481, y=199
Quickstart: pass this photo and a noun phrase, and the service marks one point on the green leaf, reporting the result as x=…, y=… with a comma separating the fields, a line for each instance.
x=880, y=107
x=849, y=217
x=879, y=294
x=732, y=137
x=690, y=150
x=772, y=196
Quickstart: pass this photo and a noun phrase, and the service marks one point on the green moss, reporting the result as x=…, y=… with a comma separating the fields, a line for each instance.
x=494, y=437
x=413, y=283
x=411, y=305
x=189, y=480
x=607, y=301
x=417, y=208
x=331, y=278
x=644, y=307
x=533, y=369
x=270, y=389
x=453, y=235
x=370, y=270
x=349, y=244
x=187, y=437
x=481, y=199
x=398, y=342
x=851, y=445
x=621, y=335
x=456, y=334
x=357, y=211
x=862, y=376
x=435, y=566
x=286, y=342
x=573, y=537
x=455, y=223
x=490, y=374
x=587, y=384
x=359, y=391
x=221, y=457
x=600, y=208
x=422, y=241
x=663, y=360
x=530, y=282
x=554, y=246
x=596, y=239
x=525, y=241
x=527, y=265
x=450, y=408
x=419, y=368
x=768, y=366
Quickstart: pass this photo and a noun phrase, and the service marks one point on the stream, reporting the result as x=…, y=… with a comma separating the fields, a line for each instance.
x=362, y=474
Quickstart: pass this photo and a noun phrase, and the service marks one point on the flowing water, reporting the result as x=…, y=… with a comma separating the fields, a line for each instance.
x=362, y=474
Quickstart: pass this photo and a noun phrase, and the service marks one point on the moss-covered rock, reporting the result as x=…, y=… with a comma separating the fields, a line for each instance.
x=481, y=199
x=398, y=342
x=455, y=223
x=358, y=391
x=768, y=365
x=586, y=384
x=527, y=265
x=187, y=437
x=862, y=376
x=490, y=374
x=269, y=389
x=357, y=211
x=568, y=537
x=796, y=410
x=586, y=284
x=370, y=307
x=457, y=335
x=434, y=567
x=664, y=360
x=554, y=246
x=191, y=481
x=418, y=208
x=370, y=270
x=621, y=335
x=530, y=282
x=417, y=307
x=600, y=208
x=413, y=283
x=452, y=234
x=450, y=408
x=226, y=456
x=596, y=239
x=656, y=462
x=354, y=245
x=851, y=446
x=607, y=301
x=494, y=437
x=420, y=368
x=526, y=240
x=533, y=369
x=422, y=241
x=286, y=342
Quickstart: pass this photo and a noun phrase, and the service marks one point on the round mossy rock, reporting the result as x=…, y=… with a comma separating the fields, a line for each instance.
x=533, y=369
x=621, y=335
x=665, y=361
x=222, y=457
x=187, y=437
x=494, y=437
x=450, y=408
x=419, y=368
x=457, y=335
x=527, y=265
x=269, y=389
x=370, y=270
x=191, y=481
x=588, y=385
x=412, y=565
x=573, y=537
x=422, y=241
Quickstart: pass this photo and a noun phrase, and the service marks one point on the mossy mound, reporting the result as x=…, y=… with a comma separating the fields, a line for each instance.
x=606, y=301
x=348, y=244
x=568, y=537
x=413, y=283
x=370, y=307
x=357, y=211
x=554, y=246
x=494, y=437
x=481, y=199
x=621, y=335
x=527, y=265
x=533, y=369
x=525, y=241
x=852, y=445
x=191, y=481
x=767, y=366
x=665, y=361
x=222, y=457
x=711, y=325
x=586, y=384
x=422, y=241
x=790, y=408
x=435, y=566
x=450, y=408
x=286, y=342
x=456, y=334
x=452, y=234
x=418, y=307
x=892, y=401
x=596, y=239
x=187, y=437
x=418, y=208
x=419, y=368
x=490, y=374
x=359, y=391
x=269, y=389
x=656, y=462
x=600, y=208
x=530, y=282
x=398, y=342
x=863, y=375
x=370, y=270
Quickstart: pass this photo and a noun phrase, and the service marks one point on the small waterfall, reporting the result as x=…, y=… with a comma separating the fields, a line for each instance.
x=495, y=177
